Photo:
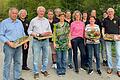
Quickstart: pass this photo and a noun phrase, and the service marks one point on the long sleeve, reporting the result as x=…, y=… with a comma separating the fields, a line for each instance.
x=2, y=33
x=30, y=28
x=49, y=27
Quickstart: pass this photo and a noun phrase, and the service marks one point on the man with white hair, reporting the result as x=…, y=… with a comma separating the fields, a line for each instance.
x=25, y=22
x=111, y=25
x=39, y=26
x=12, y=29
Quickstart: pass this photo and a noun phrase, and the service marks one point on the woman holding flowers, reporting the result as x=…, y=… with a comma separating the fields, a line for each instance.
x=92, y=34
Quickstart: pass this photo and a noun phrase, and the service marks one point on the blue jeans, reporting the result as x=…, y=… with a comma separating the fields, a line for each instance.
x=103, y=49
x=96, y=48
x=70, y=56
x=109, y=54
x=61, y=62
x=15, y=54
x=38, y=47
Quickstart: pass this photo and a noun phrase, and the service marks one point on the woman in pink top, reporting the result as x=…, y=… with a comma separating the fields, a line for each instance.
x=77, y=40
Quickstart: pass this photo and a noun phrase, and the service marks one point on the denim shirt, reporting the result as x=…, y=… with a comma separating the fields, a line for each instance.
x=11, y=31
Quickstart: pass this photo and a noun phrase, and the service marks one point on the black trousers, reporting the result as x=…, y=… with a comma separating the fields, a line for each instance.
x=25, y=55
x=78, y=43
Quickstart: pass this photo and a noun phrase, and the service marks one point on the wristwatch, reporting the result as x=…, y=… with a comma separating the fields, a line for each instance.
x=37, y=35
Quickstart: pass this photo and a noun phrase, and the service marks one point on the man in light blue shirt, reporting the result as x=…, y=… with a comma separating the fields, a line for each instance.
x=11, y=29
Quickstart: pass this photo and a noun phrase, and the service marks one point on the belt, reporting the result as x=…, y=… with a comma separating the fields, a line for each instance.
x=38, y=39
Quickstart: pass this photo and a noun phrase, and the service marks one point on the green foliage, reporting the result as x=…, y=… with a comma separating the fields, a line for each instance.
x=82, y=5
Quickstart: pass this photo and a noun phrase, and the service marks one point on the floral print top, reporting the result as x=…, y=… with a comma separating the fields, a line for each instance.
x=60, y=36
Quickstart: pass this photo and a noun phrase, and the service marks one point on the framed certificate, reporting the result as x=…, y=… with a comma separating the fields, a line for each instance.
x=21, y=41
x=43, y=37
x=109, y=37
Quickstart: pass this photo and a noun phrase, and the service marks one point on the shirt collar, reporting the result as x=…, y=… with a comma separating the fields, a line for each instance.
x=43, y=18
x=12, y=20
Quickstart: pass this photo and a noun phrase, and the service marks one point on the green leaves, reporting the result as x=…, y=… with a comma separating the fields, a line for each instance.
x=82, y=5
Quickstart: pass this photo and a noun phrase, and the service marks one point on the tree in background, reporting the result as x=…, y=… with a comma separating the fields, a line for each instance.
x=82, y=5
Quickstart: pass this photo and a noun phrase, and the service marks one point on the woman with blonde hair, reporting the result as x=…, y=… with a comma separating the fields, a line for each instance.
x=77, y=40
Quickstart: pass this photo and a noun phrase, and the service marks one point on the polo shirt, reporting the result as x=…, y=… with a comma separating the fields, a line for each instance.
x=112, y=26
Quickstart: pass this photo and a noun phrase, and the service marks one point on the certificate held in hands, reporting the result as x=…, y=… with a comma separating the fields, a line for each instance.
x=21, y=41
x=112, y=37
x=109, y=37
x=41, y=37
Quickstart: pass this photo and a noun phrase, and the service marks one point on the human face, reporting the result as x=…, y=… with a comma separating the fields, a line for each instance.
x=92, y=20
x=77, y=16
x=57, y=12
x=41, y=12
x=105, y=15
x=23, y=14
x=110, y=13
x=13, y=14
x=93, y=13
x=68, y=15
x=50, y=15
x=84, y=15
x=62, y=18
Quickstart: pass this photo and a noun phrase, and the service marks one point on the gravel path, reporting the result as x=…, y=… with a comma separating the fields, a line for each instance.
x=70, y=74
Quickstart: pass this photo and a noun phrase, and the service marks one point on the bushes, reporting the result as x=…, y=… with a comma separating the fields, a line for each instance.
x=82, y=5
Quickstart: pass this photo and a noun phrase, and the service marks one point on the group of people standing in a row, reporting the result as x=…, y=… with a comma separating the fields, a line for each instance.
x=69, y=34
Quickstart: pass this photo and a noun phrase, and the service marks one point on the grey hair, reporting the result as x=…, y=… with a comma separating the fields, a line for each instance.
x=12, y=8
x=21, y=12
x=110, y=9
x=57, y=9
x=41, y=7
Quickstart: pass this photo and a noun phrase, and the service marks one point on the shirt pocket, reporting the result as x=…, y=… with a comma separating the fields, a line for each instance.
x=9, y=28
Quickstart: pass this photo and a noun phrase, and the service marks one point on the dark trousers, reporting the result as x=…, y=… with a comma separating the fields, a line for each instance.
x=86, y=50
x=25, y=55
x=78, y=43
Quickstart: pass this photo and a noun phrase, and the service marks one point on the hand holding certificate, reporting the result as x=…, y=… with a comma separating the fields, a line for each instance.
x=44, y=36
x=21, y=41
x=112, y=37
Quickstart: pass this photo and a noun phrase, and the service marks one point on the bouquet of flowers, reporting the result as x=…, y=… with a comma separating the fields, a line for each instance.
x=93, y=34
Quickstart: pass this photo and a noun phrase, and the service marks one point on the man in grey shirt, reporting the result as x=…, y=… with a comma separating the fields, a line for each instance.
x=39, y=26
